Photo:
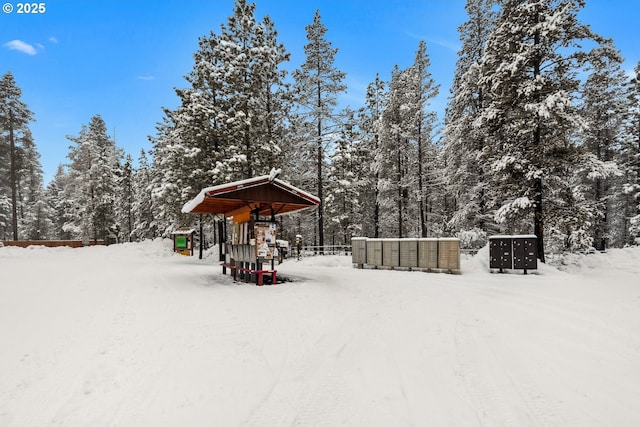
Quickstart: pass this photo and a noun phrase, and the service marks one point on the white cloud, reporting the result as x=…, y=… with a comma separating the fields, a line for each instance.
x=21, y=46
x=147, y=77
x=53, y=40
x=447, y=44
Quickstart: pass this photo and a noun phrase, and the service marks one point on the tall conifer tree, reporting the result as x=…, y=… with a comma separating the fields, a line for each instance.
x=14, y=120
x=468, y=183
x=91, y=188
x=529, y=71
x=604, y=109
x=424, y=88
x=317, y=86
x=371, y=128
x=630, y=160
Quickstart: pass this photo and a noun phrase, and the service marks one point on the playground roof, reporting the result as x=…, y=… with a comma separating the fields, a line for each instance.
x=268, y=195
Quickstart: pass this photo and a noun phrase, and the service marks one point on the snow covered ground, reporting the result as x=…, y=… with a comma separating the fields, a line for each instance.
x=135, y=335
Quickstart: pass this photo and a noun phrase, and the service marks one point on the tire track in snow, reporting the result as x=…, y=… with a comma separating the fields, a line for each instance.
x=114, y=381
x=486, y=372
x=311, y=390
x=593, y=358
x=482, y=379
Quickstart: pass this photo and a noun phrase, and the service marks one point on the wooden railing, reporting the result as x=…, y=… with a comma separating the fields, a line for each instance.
x=321, y=250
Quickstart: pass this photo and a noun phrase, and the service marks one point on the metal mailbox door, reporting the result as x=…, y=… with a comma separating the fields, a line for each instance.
x=525, y=250
x=500, y=252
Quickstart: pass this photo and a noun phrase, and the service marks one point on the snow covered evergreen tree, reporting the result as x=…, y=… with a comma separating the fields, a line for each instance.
x=396, y=158
x=172, y=176
x=530, y=74
x=407, y=156
x=14, y=120
x=317, y=86
x=91, y=187
x=468, y=184
x=58, y=205
x=34, y=216
x=125, y=220
x=233, y=116
x=604, y=109
x=630, y=162
x=343, y=188
x=232, y=119
x=143, y=208
x=368, y=147
x=423, y=88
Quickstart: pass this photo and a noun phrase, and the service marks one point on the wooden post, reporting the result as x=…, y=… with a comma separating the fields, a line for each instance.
x=201, y=236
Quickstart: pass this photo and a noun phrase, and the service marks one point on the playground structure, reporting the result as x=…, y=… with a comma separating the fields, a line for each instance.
x=252, y=205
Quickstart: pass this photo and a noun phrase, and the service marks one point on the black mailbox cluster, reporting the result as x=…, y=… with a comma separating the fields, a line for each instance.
x=513, y=252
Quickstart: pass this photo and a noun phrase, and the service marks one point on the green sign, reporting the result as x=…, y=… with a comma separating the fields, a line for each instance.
x=181, y=242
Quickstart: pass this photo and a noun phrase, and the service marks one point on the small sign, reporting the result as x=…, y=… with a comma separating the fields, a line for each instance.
x=265, y=240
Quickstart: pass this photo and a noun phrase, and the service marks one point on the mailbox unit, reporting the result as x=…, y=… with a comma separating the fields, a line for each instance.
x=428, y=253
x=501, y=252
x=525, y=252
x=374, y=252
x=449, y=253
x=391, y=252
x=513, y=252
x=423, y=253
x=359, y=251
x=409, y=253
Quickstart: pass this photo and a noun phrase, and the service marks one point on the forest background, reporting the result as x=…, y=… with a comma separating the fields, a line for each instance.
x=541, y=135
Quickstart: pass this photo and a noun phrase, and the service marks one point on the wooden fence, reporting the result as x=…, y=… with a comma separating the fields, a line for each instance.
x=51, y=243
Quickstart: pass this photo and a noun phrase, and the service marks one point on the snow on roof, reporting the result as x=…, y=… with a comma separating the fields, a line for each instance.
x=234, y=192
x=513, y=236
x=184, y=231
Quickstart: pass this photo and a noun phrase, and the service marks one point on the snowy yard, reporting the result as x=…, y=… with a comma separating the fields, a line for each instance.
x=135, y=335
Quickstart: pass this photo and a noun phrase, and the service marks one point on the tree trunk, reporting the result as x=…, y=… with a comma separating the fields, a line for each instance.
x=320, y=196
x=399, y=177
x=320, y=183
x=538, y=221
x=423, y=219
x=376, y=206
x=14, y=178
x=376, y=210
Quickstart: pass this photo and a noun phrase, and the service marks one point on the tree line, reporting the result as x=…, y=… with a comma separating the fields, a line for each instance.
x=541, y=136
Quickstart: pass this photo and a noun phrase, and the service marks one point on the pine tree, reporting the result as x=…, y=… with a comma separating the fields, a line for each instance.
x=14, y=119
x=125, y=201
x=467, y=182
x=317, y=86
x=368, y=148
x=231, y=121
x=397, y=156
x=34, y=211
x=91, y=189
x=604, y=109
x=143, y=208
x=343, y=189
x=529, y=72
x=234, y=114
x=423, y=89
x=59, y=205
x=630, y=161
x=172, y=177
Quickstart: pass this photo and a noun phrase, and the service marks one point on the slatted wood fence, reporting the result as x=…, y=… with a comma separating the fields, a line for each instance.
x=50, y=243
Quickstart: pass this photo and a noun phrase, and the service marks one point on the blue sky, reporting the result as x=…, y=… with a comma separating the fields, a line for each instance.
x=122, y=59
